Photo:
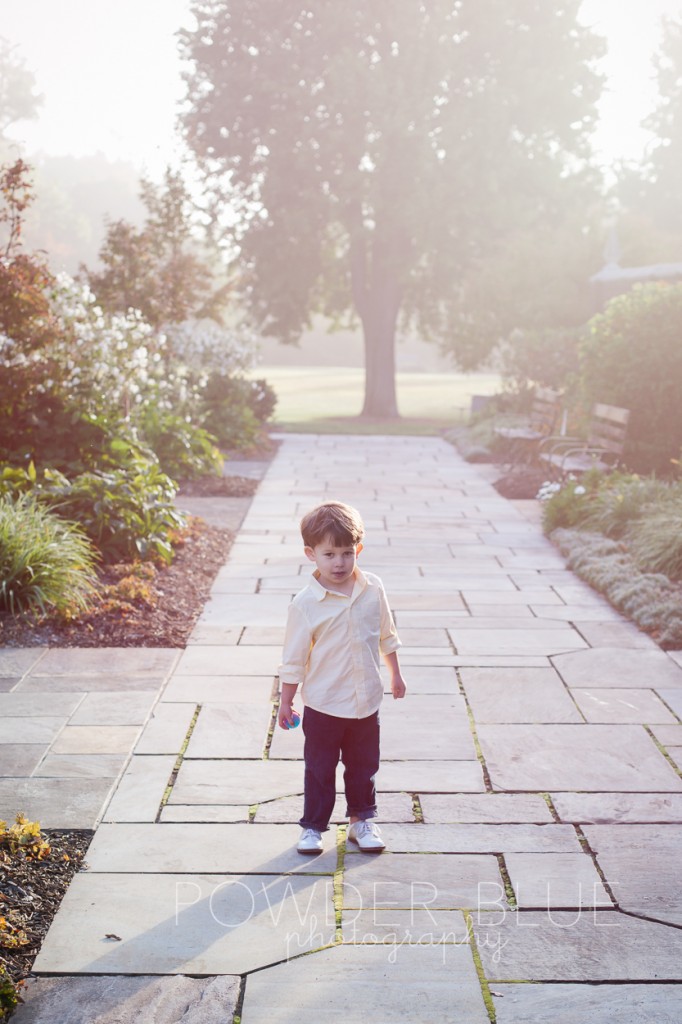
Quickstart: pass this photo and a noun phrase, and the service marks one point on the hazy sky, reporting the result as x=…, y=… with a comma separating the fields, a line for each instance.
x=110, y=74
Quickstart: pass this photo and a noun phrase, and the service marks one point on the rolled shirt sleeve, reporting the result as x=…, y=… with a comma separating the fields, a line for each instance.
x=296, y=650
x=389, y=641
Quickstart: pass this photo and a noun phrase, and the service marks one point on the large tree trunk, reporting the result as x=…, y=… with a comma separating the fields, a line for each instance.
x=377, y=296
x=379, y=326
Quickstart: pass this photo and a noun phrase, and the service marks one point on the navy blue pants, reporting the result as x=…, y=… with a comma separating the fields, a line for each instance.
x=355, y=741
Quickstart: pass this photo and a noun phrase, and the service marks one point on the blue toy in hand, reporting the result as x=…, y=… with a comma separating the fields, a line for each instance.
x=297, y=720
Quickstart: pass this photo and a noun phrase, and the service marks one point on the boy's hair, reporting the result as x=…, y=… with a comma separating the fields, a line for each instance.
x=341, y=523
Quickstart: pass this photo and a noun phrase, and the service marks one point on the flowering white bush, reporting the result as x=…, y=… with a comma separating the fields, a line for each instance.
x=103, y=361
x=206, y=345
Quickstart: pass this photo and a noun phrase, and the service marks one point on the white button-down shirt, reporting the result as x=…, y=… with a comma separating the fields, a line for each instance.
x=333, y=644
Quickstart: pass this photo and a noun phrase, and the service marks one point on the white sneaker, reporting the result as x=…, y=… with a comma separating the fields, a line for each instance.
x=310, y=841
x=366, y=834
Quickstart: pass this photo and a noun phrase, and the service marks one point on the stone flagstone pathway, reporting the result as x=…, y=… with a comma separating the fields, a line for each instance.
x=530, y=793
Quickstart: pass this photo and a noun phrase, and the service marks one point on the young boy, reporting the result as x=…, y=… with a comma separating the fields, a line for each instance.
x=336, y=628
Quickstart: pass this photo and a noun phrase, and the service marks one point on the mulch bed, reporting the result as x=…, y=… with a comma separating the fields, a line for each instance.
x=144, y=604
x=30, y=894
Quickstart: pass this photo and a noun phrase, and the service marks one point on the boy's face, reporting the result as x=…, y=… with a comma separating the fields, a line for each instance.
x=336, y=564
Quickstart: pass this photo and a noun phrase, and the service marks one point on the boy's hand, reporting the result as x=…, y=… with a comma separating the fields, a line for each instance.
x=285, y=716
x=398, y=688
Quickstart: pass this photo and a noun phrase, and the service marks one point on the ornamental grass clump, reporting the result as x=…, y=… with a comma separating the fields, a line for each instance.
x=651, y=600
x=46, y=562
x=655, y=540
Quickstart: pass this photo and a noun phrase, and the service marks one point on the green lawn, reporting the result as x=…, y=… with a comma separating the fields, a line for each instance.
x=323, y=399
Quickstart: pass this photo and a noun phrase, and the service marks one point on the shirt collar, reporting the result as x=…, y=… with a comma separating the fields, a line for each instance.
x=321, y=592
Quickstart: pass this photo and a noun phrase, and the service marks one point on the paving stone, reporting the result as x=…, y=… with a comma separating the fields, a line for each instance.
x=578, y=945
x=430, y=777
x=505, y=621
x=24, y=705
x=113, y=708
x=431, y=601
x=561, y=880
x=206, y=849
x=166, y=730
x=576, y=613
x=618, y=705
x=673, y=698
x=626, y=853
x=96, y=739
x=404, y=927
x=424, y=638
x=139, y=793
x=676, y=657
x=616, y=634
x=123, y=1000
x=80, y=766
x=391, y=806
x=421, y=985
x=17, y=759
x=668, y=735
x=410, y=881
x=608, y=808
x=205, y=635
x=207, y=689
x=8, y=683
x=518, y=695
x=507, y=599
x=225, y=513
x=548, y=758
x=29, y=729
x=247, y=609
x=236, y=782
x=186, y=924
x=426, y=727
x=490, y=808
x=93, y=683
x=575, y=1004
x=425, y=679
x=611, y=666
x=204, y=812
x=55, y=803
x=479, y=838
x=230, y=730
x=271, y=636
x=227, y=661
x=15, y=662
x=479, y=610
x=107, y=661
x=515, y=641
x=676, y=754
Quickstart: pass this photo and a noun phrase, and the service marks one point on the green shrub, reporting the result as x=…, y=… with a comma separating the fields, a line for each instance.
x=184, y=450
x=618, y=500
x=631, y=356
x=234, y=408
x=127, y=510
x=46, y=564
x=566, y=505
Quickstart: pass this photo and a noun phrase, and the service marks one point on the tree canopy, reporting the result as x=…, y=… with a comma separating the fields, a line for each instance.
x=159, y=268
x=18, y=101
x=373, y=155
x=650, y=192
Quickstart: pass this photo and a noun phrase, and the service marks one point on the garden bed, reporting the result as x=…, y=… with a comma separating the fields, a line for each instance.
x=31, y=890
x=143, y=604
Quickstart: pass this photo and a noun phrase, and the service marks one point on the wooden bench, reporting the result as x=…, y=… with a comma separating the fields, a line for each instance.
x=601, y=449
x=522, y=441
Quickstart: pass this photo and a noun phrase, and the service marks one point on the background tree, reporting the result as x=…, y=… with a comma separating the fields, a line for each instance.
x=159, y=268
x=651, y=224
x=373, y=155
x=18, y=99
